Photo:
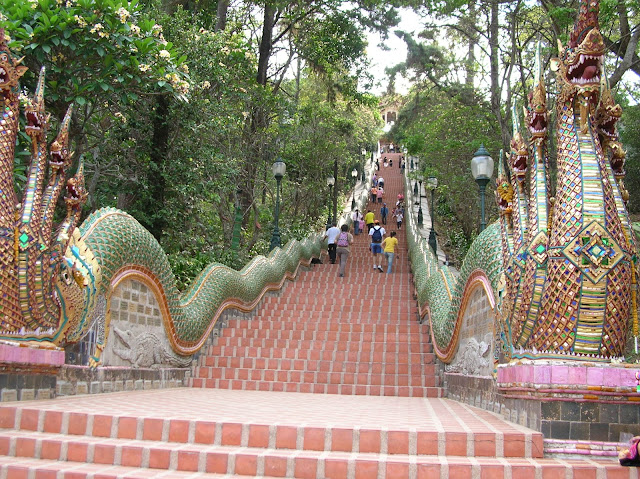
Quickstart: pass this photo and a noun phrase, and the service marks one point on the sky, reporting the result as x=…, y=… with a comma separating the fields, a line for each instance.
x=396, y=53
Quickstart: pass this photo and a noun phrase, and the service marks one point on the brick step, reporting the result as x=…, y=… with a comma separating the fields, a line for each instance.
x=318, y=388
x=312, y=464
x=236, y=329
x=36, y=431
x=313, y=354
x=309, y=320
x=362, y=264
x=353, y=363
x=325, y=280
x=25, y=468
x=316, y=377
x=366, y=304
x=310, y=312
x=280, y=324
x=125, y=451
x=360, y=344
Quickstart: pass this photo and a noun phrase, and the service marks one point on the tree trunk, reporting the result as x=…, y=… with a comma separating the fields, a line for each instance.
x=221, y=15
x=470, y=64
x=157, y=181
x=258, y=120
x=494, y=39
x=264, y=52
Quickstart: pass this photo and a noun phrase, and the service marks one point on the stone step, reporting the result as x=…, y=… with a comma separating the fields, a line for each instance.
x=317, y=377
x=377, y=315
x=353, y=363
x=318, y=388
x=400, y=357
x=26, y=468
x=378, y=344
x=215, y=461
x=277, y=328
x=382, y=332
x=122, y=440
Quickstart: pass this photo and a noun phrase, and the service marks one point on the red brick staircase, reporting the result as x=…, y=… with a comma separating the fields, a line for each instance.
x=377, y=411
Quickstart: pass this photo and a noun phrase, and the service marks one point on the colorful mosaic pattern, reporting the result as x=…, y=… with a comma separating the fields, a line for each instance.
x=574, y=295
x=124, y=249
x=56, y=280
x=10, y=315
x=48, y=281
x=441, y=295
x=561, y=264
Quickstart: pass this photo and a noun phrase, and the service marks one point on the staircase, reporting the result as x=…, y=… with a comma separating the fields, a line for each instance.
x=329, y=335
x=333, y=378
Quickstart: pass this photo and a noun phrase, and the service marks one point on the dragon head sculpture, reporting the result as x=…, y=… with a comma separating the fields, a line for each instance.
x=504, y=195
x=519, y=153
x=580, y=62
x=35, y=113
x=10, y=70
x=49, y=278
x=504, y=191
x=607, y=115
x=77, y=282
x=571, y=292
x=59, y=154
x=77, y=194
x=535, y=113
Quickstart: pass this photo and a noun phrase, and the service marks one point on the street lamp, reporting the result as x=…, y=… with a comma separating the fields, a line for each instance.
x=279, y=168
x=330, y=182
x=415, y=193
x=482, y=170
x=354, y=175
x=432, y=184
x=420, y=217
x=364, y=161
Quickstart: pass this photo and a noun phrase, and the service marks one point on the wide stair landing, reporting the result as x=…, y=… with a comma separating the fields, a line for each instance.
x=252, y=411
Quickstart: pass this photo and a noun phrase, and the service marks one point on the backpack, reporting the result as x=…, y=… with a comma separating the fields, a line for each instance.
x=343, y=239
x=376, y=237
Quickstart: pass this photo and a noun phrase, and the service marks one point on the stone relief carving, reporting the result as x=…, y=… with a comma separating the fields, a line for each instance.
x=473, y=357
x=147, y=350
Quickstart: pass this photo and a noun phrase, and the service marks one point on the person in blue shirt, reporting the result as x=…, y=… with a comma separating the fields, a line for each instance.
x=384, y=212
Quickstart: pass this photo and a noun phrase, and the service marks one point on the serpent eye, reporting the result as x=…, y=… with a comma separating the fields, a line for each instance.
x=65, y=277
x=4, y=57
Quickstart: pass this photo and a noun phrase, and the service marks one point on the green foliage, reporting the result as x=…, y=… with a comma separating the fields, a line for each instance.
x=93, y=49
x=629, y=126
x=444, y=132
x=145, y=81
x=564, y=17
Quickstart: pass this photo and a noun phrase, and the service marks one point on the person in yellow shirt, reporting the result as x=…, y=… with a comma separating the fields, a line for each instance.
x=368, y=220
x=389, y=247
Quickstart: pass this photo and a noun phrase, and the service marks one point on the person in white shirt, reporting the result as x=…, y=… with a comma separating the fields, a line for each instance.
x=331, y=235
x=357, y=217
x=377, y=234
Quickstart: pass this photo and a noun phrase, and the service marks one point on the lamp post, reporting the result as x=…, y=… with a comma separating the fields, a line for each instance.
x=279, y=168
x=432, y=183
x=364, y=161
x=482, y=170
x=330, y=182
x=354, y=175
x=415, y=193
x=420, y=217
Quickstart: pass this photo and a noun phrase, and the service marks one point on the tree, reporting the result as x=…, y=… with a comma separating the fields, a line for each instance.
x=443, y=131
